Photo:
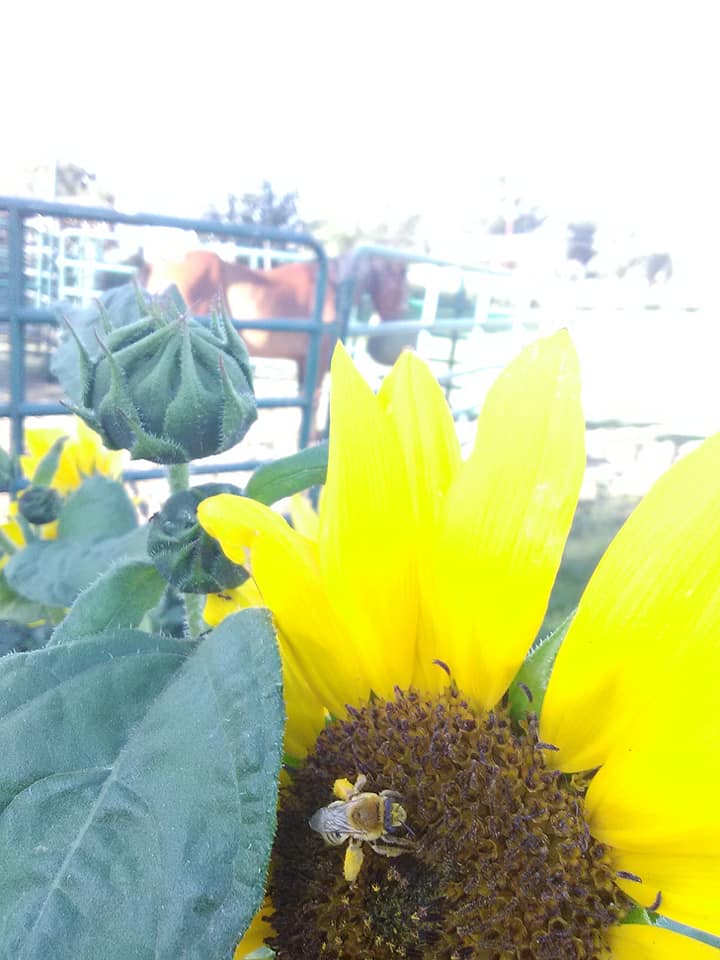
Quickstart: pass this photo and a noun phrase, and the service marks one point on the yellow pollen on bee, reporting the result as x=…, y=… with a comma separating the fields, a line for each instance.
x=343, y=789
x=353, y=862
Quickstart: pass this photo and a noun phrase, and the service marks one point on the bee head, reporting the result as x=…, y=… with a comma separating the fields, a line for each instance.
x=395, y=816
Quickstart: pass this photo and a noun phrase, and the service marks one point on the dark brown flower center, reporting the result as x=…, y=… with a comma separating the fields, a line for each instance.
x=503, y=866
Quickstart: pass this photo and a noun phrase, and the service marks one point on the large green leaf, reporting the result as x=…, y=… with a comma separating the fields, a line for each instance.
x=97, y=527
x=99, y=508
x=53, y=572
x=14, y=636
x=289, y=475
x=138, y=793
x=14, y=606
x=118, y=600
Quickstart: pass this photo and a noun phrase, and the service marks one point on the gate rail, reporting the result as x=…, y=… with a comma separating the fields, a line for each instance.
x=20, y=317
x=428, y=325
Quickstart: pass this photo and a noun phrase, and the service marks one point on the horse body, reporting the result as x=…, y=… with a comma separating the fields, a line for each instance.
x=286, y=292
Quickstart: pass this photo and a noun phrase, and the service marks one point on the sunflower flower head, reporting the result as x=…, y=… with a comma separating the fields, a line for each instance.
x=80, y=453
x=420, y=819
x=56, y=463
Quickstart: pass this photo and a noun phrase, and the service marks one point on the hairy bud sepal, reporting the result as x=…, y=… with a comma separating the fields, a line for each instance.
x=167, y=388
x=188, y=558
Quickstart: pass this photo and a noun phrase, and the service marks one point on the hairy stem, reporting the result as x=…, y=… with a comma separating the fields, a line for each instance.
x=179, y=477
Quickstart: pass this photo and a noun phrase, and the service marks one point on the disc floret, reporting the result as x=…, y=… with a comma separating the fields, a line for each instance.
x=503, y=864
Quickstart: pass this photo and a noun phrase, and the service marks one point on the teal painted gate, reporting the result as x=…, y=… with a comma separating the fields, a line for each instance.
x=33, y=275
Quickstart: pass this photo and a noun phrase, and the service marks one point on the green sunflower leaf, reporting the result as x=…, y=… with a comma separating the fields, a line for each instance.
x=97, y=527
x=289, y=475
x=527, y=691
x=14, y=636
x=118, y=600
x=47, y=468
x=17, y=608
x=99, y=508
x=138, y=793
x=53, y=572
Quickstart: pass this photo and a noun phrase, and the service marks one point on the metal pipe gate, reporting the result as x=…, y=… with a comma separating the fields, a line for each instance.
x=20, y=317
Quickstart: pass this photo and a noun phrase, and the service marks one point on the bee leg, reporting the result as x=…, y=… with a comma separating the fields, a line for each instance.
x=391, y=794
x=395, y=846
x=345, y=790
x=354, y=857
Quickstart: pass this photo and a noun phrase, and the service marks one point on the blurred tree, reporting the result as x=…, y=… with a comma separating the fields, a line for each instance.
x=61, y=180
x=73, y=180
x=518, y=217
x=404, y=233
x=264, y=208
x=581, y=242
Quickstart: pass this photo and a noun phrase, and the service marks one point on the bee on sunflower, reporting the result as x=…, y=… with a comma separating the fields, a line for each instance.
x=403, y=615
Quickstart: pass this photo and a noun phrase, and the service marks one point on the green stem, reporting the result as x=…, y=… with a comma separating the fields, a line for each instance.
x=28, y=531
x=179, y=476
x=193, y=612
x=179, y=479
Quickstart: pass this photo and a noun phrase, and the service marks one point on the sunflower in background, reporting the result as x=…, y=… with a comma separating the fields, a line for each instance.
x=403, y=617
x=56, y=464
x=82, y=455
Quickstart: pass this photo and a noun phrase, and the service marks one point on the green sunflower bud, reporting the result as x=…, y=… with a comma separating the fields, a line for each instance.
x=188, y=558
x=40, y=504
x=166, y=387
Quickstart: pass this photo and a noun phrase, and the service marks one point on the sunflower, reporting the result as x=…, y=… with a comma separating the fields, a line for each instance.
x=82, y=454
x=402, y=620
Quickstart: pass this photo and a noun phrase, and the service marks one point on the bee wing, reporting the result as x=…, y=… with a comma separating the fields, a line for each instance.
x=332, y=819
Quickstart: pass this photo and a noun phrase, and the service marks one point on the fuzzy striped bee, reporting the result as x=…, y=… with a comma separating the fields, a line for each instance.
x=378, y=819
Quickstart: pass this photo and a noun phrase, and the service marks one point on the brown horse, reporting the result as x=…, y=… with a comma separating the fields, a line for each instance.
x=286, y=292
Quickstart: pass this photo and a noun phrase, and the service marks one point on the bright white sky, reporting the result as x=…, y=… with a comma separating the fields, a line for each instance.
x=604, y=109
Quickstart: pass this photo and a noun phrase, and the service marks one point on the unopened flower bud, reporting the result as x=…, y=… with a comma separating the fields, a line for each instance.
x=166, y=387
x=190, y=559
x=40, y=504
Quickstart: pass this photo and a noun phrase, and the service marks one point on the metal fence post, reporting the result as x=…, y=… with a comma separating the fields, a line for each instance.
x=15, y=290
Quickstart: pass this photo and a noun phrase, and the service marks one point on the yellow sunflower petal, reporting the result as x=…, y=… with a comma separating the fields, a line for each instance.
x=506, y=519
x=67, y=476
x=90, y=455
x=653, y=600
x=414, y=401
x=368, y=546
x=286, y=571
x=38, y=441
x=306, y=717
x=256, y=934
x=688, y=887
x=221, y=605
x=643, y=942
x=304, y=519
x=661, y=793
x=656, y=802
